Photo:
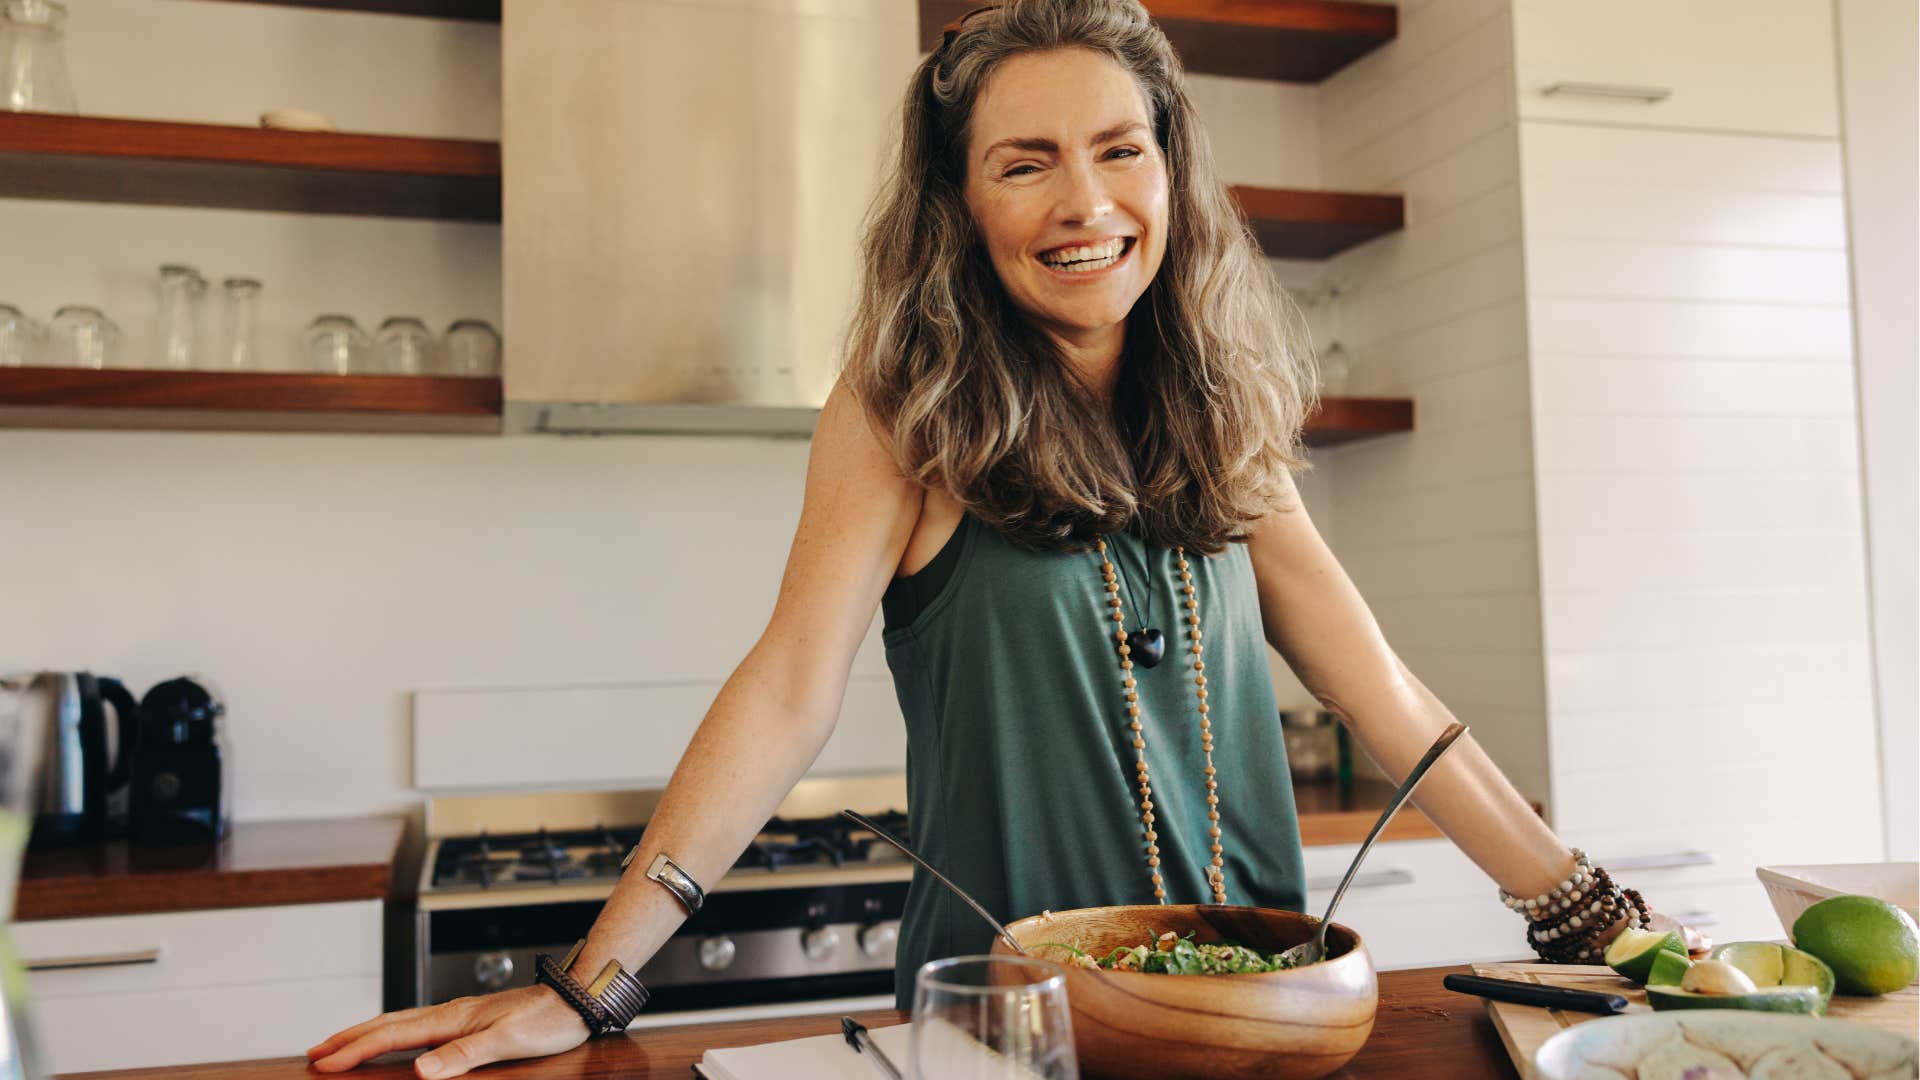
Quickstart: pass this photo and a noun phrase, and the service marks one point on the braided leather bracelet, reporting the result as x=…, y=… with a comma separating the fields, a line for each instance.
x=546, y=971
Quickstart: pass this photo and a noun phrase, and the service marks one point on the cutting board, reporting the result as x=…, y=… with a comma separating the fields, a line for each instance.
x=1524, y=1028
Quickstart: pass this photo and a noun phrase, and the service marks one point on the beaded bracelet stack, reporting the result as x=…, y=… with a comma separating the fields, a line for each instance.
x=1564, y=926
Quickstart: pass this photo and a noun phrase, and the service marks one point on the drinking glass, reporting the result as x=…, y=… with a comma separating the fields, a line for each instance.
x=33, y=57
x=338, y=346
x=991, y=1018
x=82, y=337
x=20, y=338
x=405, y=345
x=239, y=326
x=472, y=348
x=179, y=328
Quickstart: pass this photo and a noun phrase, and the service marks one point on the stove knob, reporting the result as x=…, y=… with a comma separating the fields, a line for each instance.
x=492, y=970
x=878, y=938
x=820, y=944
x=716, y=953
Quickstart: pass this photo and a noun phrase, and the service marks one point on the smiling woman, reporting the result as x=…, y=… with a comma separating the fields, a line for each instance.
x=1055, y=203
x=1060, y=463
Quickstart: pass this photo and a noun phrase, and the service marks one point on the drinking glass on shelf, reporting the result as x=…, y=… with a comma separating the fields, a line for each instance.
x=21, y=338
x=1336, y=370
x=33, y=57
x=405, y=346
x=991, y=1018
x=472, y=347
x=239, y=326
x=337, y=345
x=180, y=327
x=82, y=336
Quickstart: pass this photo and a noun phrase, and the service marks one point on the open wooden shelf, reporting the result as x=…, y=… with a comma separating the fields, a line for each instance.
x=162, y=163
x=469, y=10
x=1348, y=419
x=42, y=397
x=1300, y=41
x=1296, y=224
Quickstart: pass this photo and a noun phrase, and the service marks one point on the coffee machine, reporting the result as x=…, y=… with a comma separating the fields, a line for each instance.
x=180, y=791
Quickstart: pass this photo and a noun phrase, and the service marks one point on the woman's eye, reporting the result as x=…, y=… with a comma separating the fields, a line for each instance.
x=1017, y=170
x=1127, y=150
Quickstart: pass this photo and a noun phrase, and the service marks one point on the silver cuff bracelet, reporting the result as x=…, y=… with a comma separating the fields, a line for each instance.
x=676, y=881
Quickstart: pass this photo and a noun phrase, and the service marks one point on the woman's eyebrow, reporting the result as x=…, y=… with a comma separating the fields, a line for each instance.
x=1034, y=144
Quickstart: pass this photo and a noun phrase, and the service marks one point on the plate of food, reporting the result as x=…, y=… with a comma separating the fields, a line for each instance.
x=1726, y=1045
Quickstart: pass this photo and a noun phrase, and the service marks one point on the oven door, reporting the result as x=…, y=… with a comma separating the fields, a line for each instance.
x=758, y=948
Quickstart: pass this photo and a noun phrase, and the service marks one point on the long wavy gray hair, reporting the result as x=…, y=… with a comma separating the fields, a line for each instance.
x=1216, y=380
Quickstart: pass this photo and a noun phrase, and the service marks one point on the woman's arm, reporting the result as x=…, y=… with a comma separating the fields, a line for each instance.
x=764, y=729
x=1316, y=619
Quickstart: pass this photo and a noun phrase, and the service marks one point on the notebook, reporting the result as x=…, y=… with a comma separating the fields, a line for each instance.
x=821, y=1057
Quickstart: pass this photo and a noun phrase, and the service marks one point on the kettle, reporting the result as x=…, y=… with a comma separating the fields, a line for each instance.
x=84, y=760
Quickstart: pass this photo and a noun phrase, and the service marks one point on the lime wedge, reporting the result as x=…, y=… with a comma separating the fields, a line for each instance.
x=1668, y=968
x=1780, y=999
x=1632, y=951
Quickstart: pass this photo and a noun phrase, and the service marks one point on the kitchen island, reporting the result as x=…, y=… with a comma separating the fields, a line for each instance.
x=1422, y=1030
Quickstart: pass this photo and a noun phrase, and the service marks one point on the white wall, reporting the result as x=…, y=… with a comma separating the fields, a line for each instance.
x=318, y=580
x=1879, y=115
x=1436, y=527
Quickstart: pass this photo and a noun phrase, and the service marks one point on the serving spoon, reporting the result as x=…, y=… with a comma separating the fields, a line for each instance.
x=862, y=821
x=1313, y=950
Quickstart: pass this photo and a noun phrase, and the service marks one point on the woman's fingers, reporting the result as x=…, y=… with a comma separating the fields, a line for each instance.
x=435, y=1025
x=459, y=1056
x=346, y=1035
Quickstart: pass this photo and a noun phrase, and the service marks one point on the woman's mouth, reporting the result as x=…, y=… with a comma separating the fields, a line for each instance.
x=1087, y=259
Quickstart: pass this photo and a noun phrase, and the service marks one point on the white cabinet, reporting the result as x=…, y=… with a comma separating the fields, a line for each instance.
x=1727, y=65
x=186, y=987
x=1417, y=903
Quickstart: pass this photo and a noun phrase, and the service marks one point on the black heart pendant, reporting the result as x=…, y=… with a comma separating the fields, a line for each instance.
x=1147, y=647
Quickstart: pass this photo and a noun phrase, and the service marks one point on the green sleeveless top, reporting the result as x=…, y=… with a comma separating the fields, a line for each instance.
x=1020, y=764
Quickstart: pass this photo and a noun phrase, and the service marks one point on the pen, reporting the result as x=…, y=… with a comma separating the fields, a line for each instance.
x=863, y=1043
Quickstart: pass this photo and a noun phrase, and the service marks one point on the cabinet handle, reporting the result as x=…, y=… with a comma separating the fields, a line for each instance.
x=1660, y=862
x=1374, y=880
x=124, y=959
x=1698, y=918
x=1648, y=94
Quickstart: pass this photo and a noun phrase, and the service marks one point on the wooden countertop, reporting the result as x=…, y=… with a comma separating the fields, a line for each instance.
x=1422, y=1029
x=258, y=863
x=1329, y=815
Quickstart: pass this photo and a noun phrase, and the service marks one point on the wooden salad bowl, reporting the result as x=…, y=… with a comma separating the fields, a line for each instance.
x=1284, y=1025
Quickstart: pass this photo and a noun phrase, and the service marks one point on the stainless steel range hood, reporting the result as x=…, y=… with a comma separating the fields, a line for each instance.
x=684, y=184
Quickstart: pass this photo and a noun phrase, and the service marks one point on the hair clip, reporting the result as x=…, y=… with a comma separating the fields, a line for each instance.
x=952, y=29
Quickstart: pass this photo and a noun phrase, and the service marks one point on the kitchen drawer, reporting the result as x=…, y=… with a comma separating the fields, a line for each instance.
x=1725, y=67
x=1656, y=855
x=179, y=950
x=1425, y=868
x=1417, y=931
x=207, y=1023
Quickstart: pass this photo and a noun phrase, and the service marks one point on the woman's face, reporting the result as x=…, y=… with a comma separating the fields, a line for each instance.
x=1068, y=189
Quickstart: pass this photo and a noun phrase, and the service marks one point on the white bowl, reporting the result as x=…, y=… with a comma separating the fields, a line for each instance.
x=1739, y=1043
x=1794, y=889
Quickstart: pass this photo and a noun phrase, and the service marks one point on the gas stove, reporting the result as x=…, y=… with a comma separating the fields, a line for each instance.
x=809, y=911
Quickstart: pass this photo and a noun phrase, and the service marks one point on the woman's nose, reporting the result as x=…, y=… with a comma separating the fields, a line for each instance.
x=1084, y=197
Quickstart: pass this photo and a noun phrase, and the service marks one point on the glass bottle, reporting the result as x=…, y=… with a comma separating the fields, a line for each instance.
x=337, y=346
x=472, y=348
x=405, y=346
x=239, y=325
x=33, y=57
x=83, y=337
x=180, y=327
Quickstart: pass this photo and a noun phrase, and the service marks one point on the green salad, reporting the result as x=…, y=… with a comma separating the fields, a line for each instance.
x=1172, y=954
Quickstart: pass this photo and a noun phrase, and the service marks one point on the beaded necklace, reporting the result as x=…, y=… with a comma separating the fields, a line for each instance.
x=1216, y=873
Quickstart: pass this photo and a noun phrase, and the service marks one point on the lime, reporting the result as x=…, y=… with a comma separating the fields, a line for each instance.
x=1632, y=951
x=1770, y=964
x=1668, y=968
x=1872, y=946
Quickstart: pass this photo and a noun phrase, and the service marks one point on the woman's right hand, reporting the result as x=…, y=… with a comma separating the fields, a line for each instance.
x=465, y=1033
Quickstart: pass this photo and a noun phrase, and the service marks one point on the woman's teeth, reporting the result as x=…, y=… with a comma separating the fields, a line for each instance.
x=1087, y=258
